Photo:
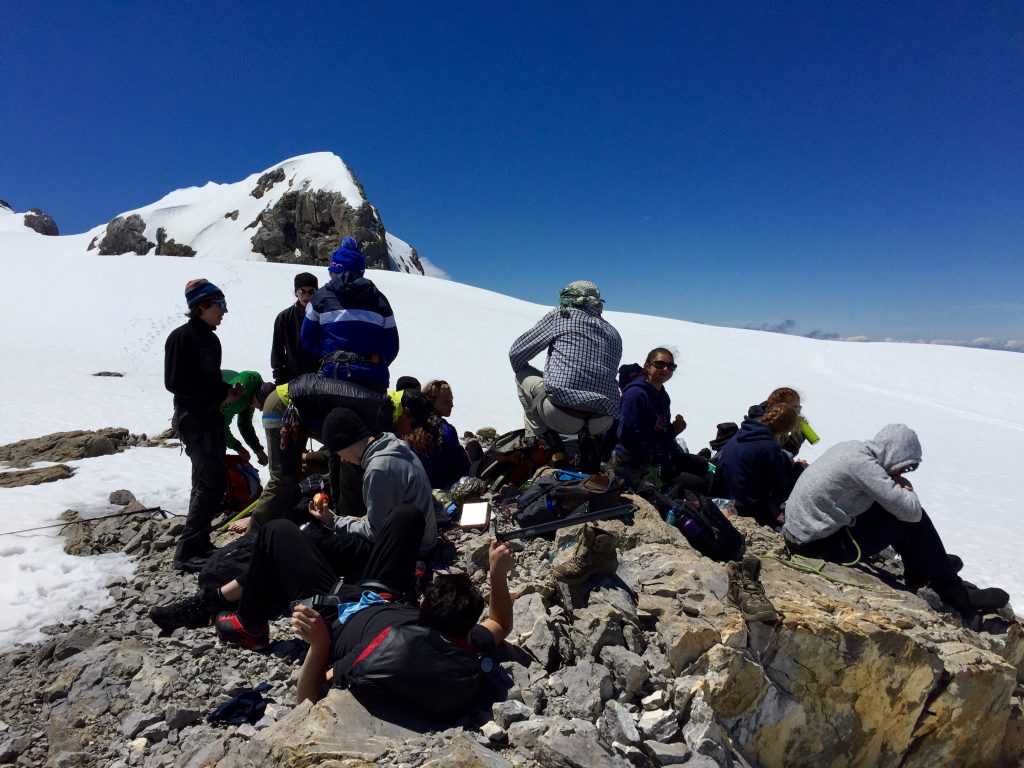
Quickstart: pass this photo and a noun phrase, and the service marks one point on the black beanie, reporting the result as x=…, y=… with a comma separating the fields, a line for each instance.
x=341, y=429
x=306, y=280
x=407, y=382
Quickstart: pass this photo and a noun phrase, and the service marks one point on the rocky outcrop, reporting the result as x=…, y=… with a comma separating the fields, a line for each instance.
x=20, y=478
x=646, y=668
x=307, y=226
x=124, y=235
x=167, y=247
x=266, y=181
x=67, y=446
x=41, y=222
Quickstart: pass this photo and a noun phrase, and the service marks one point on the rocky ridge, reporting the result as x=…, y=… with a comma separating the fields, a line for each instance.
x=297, y=212
x=649, y=667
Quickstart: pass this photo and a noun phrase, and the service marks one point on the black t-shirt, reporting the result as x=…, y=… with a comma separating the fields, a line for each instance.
x=365, y=625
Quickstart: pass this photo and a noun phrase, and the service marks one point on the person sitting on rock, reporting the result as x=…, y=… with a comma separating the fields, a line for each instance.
x=450, y=605
x=349, y=324
x=448, y=461
x=576, y=394
x=754, y=470
x=392, y=477
x=288, y=358
x=646, y=442
x=792, y=442
x=242, y=410
x=855, y=501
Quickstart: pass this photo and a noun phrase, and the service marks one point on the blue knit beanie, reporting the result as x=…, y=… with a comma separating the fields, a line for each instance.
x=201, y=289
x=348, y=258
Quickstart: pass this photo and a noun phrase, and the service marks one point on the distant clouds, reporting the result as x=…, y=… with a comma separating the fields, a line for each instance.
x=982, y=342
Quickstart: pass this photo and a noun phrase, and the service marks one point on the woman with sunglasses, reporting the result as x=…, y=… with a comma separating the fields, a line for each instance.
x=646, y=445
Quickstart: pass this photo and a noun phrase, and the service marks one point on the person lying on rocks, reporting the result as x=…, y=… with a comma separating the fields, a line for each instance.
x=755, y=470
x=392, y=477
x=451, y=605
x=855, y=501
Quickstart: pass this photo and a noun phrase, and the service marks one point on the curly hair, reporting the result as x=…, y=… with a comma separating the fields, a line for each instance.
x=780, y=418
x=436, y=387
x=784, y=395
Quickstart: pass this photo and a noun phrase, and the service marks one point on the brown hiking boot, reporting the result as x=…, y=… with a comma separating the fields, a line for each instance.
x=594, y=553
x=747, y=593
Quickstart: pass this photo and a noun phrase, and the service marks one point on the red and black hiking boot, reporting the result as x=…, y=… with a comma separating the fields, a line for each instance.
x=230, y=629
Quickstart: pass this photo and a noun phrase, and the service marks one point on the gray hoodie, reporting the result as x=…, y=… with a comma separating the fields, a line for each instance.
x=392, y=475
x=850, y=477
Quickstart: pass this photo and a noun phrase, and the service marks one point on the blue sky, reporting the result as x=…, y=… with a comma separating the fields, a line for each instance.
x=853, y=168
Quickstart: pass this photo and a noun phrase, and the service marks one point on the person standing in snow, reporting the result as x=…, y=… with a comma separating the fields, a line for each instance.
x=192, y=358
x=349, y=324
x=288, y=358
x=577, y=392
x=855, y=501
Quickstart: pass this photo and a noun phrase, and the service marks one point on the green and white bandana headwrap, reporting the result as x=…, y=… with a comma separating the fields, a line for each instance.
x=579, y=293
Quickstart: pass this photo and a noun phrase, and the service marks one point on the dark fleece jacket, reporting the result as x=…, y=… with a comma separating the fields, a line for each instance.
x=755, y=471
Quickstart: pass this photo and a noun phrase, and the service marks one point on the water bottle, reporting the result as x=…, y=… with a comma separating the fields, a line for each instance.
x=810, y=434
x=690, y=527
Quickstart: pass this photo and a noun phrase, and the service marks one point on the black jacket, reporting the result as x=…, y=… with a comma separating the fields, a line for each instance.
x=288, y=358
x=192, y=368
x=755, y=471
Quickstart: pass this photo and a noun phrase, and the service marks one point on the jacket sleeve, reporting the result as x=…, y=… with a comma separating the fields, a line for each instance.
x=248, y=431
x=635, y=423
x=381, y=492
x=899, y=502
x=532, y=343
x=310, y=334
x=229, y=439
x=182, y=366
x=278, y=350
x=390, y=341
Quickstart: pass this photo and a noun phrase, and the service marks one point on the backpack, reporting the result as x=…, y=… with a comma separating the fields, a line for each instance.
x=557, y=495
x=419, y=669
x=509, y=461
x=700, y=520
x=243, y=486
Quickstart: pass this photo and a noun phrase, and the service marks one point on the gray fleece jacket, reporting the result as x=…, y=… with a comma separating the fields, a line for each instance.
x=392, y=475
x=850, y=477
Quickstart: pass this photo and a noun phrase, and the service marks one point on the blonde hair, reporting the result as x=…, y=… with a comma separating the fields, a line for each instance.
x=436, y=387
x=780, y=418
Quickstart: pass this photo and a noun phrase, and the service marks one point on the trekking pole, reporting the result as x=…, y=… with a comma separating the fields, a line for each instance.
x=622, y=510
x=240, y=515
x=163, y=512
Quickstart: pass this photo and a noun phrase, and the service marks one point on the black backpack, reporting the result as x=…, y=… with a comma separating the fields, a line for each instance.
x=559, y=494
x=508, y=460
x=700, y=521
x=418, y=669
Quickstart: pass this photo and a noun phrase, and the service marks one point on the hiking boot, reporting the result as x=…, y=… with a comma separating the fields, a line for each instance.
x=747, y=593
x=191, y=613
x=230, y=629
x=594, y=553
x=192, y=564
x=971, y=601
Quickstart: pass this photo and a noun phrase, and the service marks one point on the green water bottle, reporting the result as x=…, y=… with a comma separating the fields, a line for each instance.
x=810, y=434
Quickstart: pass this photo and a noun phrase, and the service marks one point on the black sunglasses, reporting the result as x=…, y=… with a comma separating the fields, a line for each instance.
x=661, y=365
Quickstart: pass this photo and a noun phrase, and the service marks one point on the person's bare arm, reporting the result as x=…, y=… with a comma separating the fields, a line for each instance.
x=309, y=625
x=499, y=609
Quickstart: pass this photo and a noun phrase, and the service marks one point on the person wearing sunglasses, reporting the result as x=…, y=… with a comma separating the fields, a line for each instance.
x=192, y=359
x=288, y=358
x=646, y=446
x=855, y=501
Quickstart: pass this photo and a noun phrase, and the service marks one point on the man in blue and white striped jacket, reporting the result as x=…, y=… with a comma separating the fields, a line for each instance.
x=350, y=324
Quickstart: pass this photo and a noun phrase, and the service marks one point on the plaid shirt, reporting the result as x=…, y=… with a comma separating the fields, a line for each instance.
x=584, y=352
